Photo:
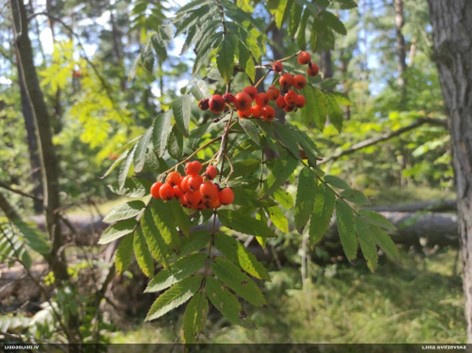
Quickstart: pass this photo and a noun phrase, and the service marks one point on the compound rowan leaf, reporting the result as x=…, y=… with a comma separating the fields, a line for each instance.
x=239, y=255
x=346, y=228
x=142, y=254
x=179, y=270
x=232, y=276
x=175, y=296
x=244, y=223
x=223, y=300
x=194, y=318
x=117, y=230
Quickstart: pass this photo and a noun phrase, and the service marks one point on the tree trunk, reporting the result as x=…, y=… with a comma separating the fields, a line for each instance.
x=452, y=28
x=47, y=155
x=400, y=46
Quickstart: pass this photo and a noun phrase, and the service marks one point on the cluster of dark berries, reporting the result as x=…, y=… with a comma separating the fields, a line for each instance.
x=249, y=103
x=193, y=190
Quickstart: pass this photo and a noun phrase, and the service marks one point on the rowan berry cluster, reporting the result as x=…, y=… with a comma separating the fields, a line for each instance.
x=252, y=103
x=193, y=190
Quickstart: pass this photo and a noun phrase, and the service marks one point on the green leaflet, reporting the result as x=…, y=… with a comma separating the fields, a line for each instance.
x=232, y=276
x=280, y=172
x=194, y=318
x=322, y=212
x=225, y=57
x=124, y=253
x=160, y=132
x=223, y=300
x=346, y=228
x=127, y=210
x=142, y=254
x=278, y=218
x=244, y=223
x=306, y=191
x=179, y=270
x=239, y=255
x=165, y=223
x=117, y=230
x=175, y=296
x=141, y=150
x=154, y=240
x=367, y=242
x=181, y=108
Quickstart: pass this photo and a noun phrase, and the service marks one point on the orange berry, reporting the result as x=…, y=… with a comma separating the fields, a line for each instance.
x=226, y=196
x=273, y=92
x=268, y=113
x=312, y=70
x=300, y=101
x=209, y=191
x=256, y=111
x=285, y=80
x=244, y=114
x=184, y=183
x=277, y=66
x=193, y=198
x=211, y=172
x=166, y=192
x=251, y=91
x=216, y=103
x=215, y=203
x=193, y=167
x=242, y=101
x=155, y=189
x=299, y=81
x=178, y=191
x=194, y=182
x=173, y=178
x=303, y=58
x=262, y=99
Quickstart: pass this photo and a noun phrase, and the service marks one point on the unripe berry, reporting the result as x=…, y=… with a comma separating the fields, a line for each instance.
x=193, y=167
x=303, y=58
x=251, y=90
x=242, y=101
x=268, y=113
x=312, y=70
x=166, y=192
x=277, y=66
x=216, y=104
x=285, y=80
x=203, y=104
x=226, y=196
x=211, y=172
x=155, y=189
x=299, y=81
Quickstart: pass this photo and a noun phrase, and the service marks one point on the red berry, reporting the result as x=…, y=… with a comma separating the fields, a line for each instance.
x=280, y=101
x=300, y=101
x=228, y=98
x=155, y=189
x=203, y=104
x=193, y=167
x=194, y=182
x=256, y=111
x=312, y=70
x=244, y=114
x=214, y=203
x=174, y=178
x=277, y=66
x=184, y=183
x=193, y=198
x=285, y=80
x=216, y=103
x=273, y=92
x=226, y=196
x=299, y=81
x=268, y=113
x=242, y=101
x=211, y=172
x=209, y=191
x=289, y=107
x=251, y=90
x=262, y=99
x=166, y=192
x=290, y=97
x=303, y=58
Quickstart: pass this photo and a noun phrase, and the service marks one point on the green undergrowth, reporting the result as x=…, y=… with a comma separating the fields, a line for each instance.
x=409, y=194
x=419, y=301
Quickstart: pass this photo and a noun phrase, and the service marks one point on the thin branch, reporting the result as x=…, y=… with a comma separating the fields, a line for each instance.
x=384, y=137
x=19, y=192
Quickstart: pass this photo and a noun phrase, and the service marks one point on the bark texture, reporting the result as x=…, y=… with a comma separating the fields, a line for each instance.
x=452, y=28
x=400, y=45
